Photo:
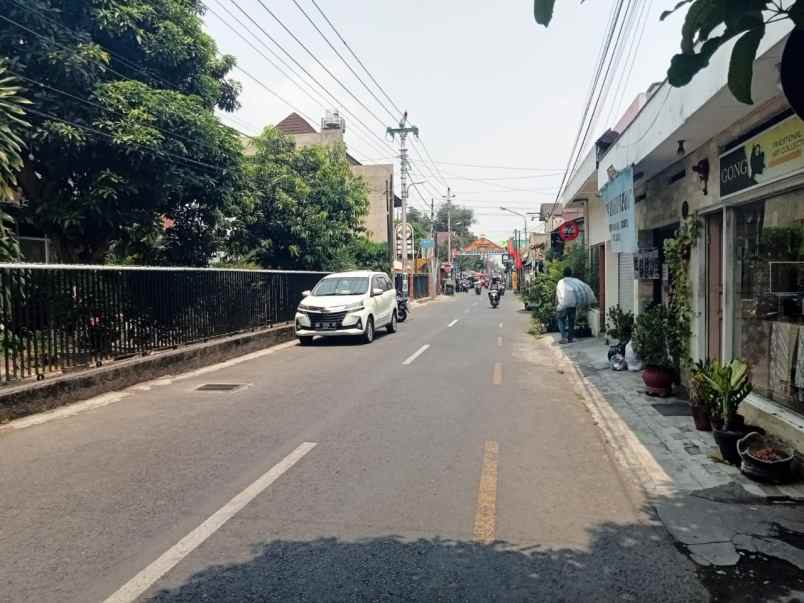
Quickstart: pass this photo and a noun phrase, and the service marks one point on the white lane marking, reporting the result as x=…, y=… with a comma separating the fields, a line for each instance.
x=499, y=342
x=466, y=311
x=115, y=396
x=474, y=304
x=130, y=591
x=64, y=411
x=497, y=376
x=416, y=354
x=453, y=323
x=500, y=325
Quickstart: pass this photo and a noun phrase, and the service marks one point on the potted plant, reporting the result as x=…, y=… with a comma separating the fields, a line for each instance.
x=765, y=459
x=619, y=326
x=729, y=385
x=650, y=342
x=700, y=395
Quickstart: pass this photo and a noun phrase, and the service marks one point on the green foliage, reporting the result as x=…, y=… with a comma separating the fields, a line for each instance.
x=730, y=384
x=708, y=25
x=125, y=130
x=677, y=252
x=304, y=207
x=361, y=254
x=649, y=337
x=540, y=294
x=620, y=324
x=12, y=122
x=701, y=392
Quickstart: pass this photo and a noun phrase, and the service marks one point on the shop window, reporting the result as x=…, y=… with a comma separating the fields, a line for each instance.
x=769, y=288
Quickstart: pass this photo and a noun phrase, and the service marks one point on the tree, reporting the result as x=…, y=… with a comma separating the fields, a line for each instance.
x=459, y=218
x=124, y=131
x=11, y=124
x=362, y=254
x=305, y=206
x=699, y=42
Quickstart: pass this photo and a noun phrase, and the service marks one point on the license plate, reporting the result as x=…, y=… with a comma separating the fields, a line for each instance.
x=326, y=325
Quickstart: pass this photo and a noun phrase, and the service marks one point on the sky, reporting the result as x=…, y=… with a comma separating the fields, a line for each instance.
x=488, y=88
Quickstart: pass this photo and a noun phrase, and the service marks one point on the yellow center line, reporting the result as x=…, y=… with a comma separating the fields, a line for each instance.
x=486, y=514
x=498, y=373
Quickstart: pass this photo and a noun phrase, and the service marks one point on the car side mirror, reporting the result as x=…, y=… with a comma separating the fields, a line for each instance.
x=377, y=291
x=306, y=293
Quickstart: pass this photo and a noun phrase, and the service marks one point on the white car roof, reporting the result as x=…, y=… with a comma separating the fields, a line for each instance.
x=353, y=273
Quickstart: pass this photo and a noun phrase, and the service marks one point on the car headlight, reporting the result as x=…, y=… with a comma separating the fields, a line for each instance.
x=304, y=308
x=355, y=307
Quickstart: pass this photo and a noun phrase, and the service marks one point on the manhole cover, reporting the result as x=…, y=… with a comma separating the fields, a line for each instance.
x=218, y=387
x=673, y=409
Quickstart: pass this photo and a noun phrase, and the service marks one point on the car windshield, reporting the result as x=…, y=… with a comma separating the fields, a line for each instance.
x=350, y=285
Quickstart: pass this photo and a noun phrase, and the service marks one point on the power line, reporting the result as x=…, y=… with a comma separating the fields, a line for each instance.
x=311, y=76
x=598, y=71
x=352, y=52
x=318, y=61
x=345, y=62
x=110, y=136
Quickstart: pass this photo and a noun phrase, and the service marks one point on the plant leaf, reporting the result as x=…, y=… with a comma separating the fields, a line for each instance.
x=667, y=13
x=543, y=11
x=741, y=64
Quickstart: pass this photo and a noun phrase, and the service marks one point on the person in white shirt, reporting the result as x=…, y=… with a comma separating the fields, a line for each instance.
x=566, y=305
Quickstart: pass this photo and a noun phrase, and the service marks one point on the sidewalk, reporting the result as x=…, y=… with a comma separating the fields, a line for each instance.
x=663, y=426
x=741, y=534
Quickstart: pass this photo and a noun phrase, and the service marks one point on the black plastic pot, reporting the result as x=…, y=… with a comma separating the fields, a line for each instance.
x=774, y=472
x=727, y=442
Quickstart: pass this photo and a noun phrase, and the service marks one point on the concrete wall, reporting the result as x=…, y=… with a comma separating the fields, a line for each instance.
x=377, y=179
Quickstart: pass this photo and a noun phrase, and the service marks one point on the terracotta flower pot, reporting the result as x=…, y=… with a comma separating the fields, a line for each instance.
x=658, y=380
x=700, y=417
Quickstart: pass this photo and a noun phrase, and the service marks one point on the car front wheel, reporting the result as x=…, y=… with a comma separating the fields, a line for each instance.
x=392, y=325
x=368, y=334
x=305, y=340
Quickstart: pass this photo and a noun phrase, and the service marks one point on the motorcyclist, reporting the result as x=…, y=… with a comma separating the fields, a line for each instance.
x=494, y=291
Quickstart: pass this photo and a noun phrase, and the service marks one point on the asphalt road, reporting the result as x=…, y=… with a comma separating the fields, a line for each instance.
x=468, y=472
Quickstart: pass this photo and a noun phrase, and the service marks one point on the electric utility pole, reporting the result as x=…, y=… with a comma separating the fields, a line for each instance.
x=448, y=201
x=434, y=260
x=402, y=131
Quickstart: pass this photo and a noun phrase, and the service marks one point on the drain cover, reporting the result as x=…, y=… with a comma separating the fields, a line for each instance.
x=673, y=409
x=218, y=387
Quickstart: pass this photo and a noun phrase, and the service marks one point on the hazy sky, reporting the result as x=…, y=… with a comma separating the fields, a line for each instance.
x=483, y=82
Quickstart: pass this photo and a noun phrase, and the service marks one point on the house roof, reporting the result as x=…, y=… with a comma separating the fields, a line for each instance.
x=483, y=245
x=295, y=124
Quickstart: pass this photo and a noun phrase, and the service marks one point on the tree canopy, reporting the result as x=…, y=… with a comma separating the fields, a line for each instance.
x=124, y=140
x=708, y=25
x=12, y=123
x=304, y=207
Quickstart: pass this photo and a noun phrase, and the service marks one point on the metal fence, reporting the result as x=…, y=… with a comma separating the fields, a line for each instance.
x=56, y=317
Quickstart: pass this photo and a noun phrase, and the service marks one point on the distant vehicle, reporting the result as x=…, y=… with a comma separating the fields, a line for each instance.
x=494, y=297
x=347, y=303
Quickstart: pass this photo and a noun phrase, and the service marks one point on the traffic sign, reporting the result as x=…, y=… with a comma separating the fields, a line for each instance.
x=427, y=243
x=409, y=243
x=569, y=231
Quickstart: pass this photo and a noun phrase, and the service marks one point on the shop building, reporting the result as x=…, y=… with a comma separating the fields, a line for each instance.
x=696, y=151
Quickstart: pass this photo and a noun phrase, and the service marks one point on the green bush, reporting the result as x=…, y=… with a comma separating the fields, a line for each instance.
x=650, y=337
x=620, y=324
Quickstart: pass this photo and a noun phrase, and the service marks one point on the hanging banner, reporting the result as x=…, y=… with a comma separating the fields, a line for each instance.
x=618, y=195
x=768, y=156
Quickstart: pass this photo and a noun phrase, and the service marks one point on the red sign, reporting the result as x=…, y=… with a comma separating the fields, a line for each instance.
x=569, y=231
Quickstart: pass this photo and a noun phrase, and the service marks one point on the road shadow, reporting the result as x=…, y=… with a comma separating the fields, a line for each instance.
x=621, y=563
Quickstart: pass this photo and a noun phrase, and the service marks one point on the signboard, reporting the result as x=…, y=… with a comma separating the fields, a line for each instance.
x=618, y=195
x=427, y=243
x=647, y=266
x=768, y=156
x=569, y=231
x=409, y=241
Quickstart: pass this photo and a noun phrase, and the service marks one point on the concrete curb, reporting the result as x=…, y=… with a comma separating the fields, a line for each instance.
x=633, y=455
x=36, y=397
x=625, y=447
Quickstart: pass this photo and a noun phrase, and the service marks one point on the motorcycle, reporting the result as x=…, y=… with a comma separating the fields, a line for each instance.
x=477, y=289
x=401, y=308
x=494, y=297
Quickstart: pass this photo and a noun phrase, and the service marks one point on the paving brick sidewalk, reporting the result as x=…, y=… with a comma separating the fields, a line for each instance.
x=686, y=455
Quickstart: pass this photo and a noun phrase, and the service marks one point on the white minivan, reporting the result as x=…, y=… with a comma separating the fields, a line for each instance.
x=347, y=303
